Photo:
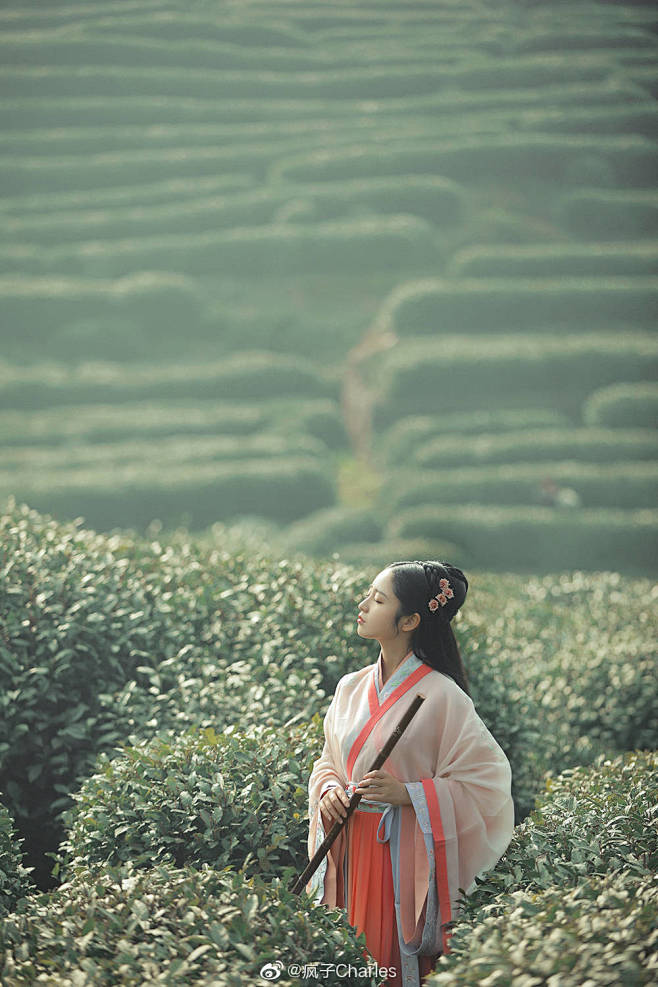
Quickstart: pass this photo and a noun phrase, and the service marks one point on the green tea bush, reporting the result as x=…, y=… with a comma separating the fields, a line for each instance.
x=431, y=197
x=176, y=925
x=538, y=539
x=522, y=70
x=556, y=158
x=185, y=80
x=551, y=260
x=247, y=33
x=193, y=798
x=83, y=110
x=540, y=447
x=511, y=713
x=501, y=304
x=373, y=242
x=637, y=118
x=212, y=635
x=15, y=880
x=616, y=485
x=251, y=375
x=240, y=208
x=320, y=418
x=101, y=423
x=428, y=196
x=398, y=444
x=608, y=214
x=134, y=493
x=506, y=371
x=39, y=204
x=104, y=639
x=589, y=820
x=270, y=641
x=211, y=691
x=587, y=852
x=602, y=931
x=112, y=338
x=78, y=616
x=22, y=174
x=261, y=618
x=127, y=47
x=623, y=406
x=90, y=624
x=167, y=299
x=165, y=452
x=286, y=691
x=580, y=37
x=235, y=800
x=612, y=801
x=583, y=650
x=325, y=531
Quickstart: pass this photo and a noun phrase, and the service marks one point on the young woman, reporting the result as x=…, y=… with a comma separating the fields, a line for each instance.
x=440, y=811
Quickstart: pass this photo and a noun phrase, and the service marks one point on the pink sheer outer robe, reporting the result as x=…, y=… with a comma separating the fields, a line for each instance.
x=461, y=819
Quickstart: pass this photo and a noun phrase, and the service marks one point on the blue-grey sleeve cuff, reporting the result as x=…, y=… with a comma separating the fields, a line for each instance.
x=419, y=802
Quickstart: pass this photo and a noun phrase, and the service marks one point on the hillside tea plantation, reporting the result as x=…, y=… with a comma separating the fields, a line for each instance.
x=289, y=291
x=249, y=249
x=162, y=706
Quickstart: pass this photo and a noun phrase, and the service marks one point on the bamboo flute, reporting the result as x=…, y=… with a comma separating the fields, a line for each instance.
x=324, y=847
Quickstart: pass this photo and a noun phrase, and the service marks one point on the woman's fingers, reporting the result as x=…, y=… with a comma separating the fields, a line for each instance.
x=380, y=786
x=341, y=802
x=334, y=803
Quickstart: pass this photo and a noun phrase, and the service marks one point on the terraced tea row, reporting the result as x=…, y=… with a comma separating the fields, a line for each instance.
x=504, y=371
x=568, y=98
x=153, y=420
x=194, y=493
x=449, y=205
x=267, y=448
x=244, y=377
x=619, y=482
x=438, y=200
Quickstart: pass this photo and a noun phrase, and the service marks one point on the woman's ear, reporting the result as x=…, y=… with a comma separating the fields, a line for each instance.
x=411, y=622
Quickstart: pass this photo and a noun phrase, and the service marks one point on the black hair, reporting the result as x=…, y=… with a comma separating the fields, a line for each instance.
x=433, y=641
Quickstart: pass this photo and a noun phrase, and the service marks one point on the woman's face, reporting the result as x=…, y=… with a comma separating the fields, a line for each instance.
x=378, y=609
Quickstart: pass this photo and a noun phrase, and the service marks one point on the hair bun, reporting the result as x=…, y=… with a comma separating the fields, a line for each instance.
x=435, y=572
x=457, y=573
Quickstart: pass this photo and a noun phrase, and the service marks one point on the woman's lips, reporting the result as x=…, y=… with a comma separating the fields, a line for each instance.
x=359, y=619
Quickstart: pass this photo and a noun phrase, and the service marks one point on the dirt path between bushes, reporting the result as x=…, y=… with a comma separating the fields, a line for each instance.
x=358, y=397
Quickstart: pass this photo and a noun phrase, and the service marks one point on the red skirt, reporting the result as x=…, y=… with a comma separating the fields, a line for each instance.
x=371, y=898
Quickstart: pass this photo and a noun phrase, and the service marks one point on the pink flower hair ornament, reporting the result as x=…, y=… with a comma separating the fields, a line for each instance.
x=442, y=597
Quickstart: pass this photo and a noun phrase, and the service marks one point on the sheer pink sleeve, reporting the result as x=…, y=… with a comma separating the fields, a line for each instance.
x=465, y=811
x=326, y=885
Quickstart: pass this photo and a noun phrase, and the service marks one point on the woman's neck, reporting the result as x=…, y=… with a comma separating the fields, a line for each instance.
x=392, y=657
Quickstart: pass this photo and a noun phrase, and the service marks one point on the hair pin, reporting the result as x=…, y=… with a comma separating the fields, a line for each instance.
x=442, y=597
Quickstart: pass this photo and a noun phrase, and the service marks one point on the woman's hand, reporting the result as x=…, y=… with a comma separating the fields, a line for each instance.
x=334, y=803
x=380, y=786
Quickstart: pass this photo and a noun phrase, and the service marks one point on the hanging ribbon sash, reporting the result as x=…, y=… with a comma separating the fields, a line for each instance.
x=440, y=859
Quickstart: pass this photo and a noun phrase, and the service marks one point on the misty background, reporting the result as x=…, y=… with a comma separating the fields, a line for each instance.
x=375, y=279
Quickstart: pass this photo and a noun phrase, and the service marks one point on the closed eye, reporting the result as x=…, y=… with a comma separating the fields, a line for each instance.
x=369, y=590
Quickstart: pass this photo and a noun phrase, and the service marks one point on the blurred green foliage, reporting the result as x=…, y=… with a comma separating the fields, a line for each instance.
x=15, y=880
x=574, y=896
x=184, y=924
x=235, y=799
